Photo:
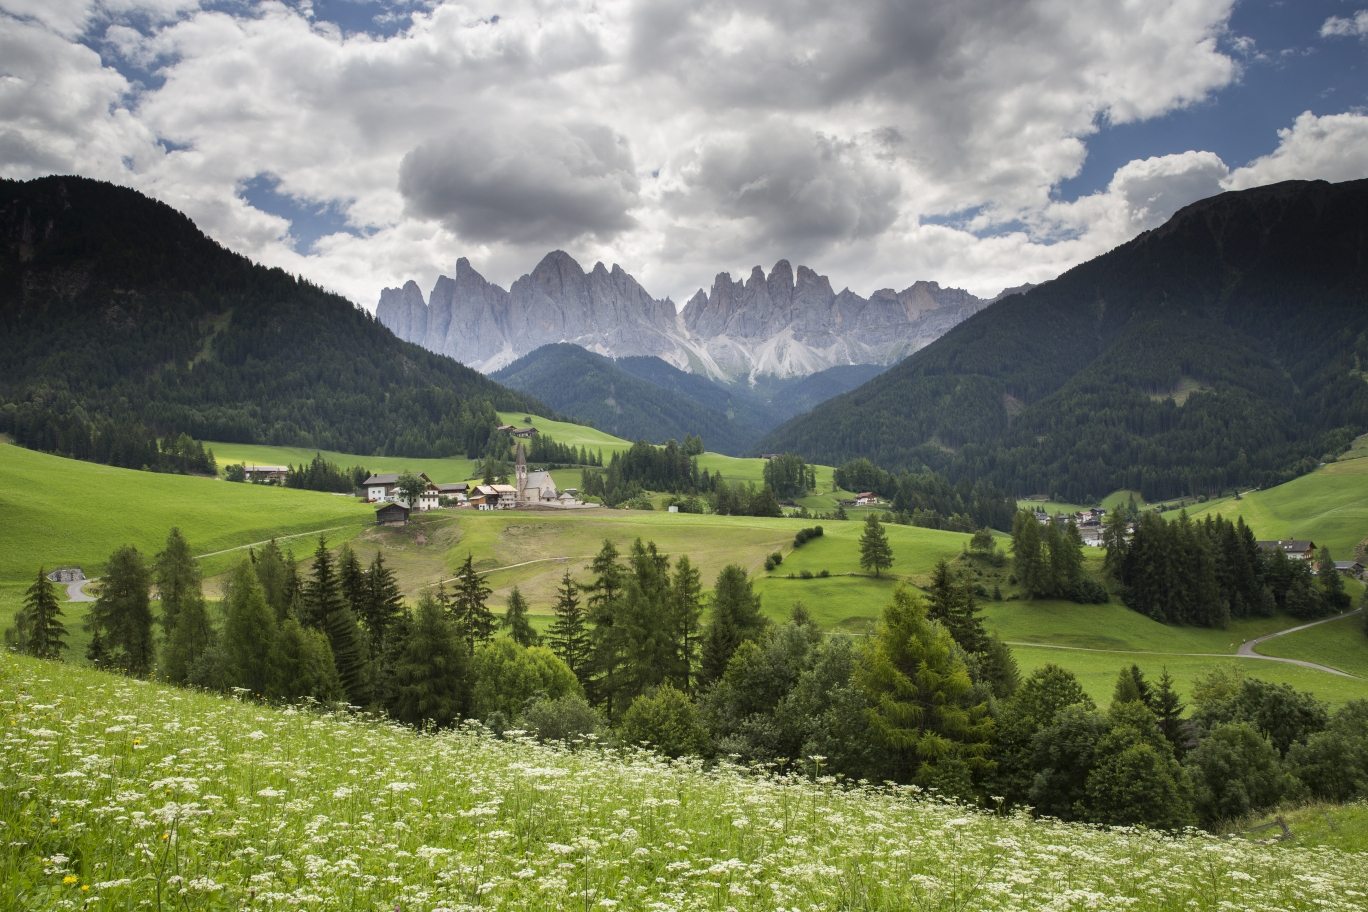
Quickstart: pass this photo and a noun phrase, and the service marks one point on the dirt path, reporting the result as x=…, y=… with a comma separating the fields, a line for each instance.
x=1248, y=649
x=267, y=541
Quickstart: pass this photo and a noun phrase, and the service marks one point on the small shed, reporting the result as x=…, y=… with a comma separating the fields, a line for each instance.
x=392, y=514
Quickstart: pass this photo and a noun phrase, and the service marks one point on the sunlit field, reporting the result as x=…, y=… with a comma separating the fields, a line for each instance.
x=116, y=794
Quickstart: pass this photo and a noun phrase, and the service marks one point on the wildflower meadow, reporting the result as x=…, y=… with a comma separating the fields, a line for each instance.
x=118, y=794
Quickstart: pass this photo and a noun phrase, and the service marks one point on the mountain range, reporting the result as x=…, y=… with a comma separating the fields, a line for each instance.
x=1225, y=348
x=785, y=324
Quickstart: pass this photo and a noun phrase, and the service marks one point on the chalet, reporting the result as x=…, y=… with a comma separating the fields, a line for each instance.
x=524, y=432
x=494, y=497
x=1295, y=548
x=1350, y=568
x=386, y=487
x=866, y=498
x=265, y=474
x=392, y=514
x=456, y=494
x=507, y=428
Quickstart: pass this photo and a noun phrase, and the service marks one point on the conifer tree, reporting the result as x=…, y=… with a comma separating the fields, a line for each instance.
x=1131, y=687
x=1331, y=584
x=274, y=574
x=952, y=603
x=516, y=623
x=923, y=703
x=1028, y=555
x=875, y=553
x=568, y=636
x=650, y=647
x=686, y=610
x=304, y=665
x=177, y=578
x=735, y=619
x=427, y=683
x=351, y=581
x=189, y=632
x=38, y=629
x=120, y=621
x=249, y=633
x=1115, y=543
x=325, y=609
x=469, y=606
x=605, y=633
x=382, y=605
x=1168, y=709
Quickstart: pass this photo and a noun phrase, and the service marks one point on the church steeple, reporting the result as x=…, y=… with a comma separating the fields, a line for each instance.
x=520, y=468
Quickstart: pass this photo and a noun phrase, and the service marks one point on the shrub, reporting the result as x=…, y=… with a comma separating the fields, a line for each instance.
x=667, y=720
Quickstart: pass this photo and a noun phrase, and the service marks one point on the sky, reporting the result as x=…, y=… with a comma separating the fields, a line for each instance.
x=978, y=143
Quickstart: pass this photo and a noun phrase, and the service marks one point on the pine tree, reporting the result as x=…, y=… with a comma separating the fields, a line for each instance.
x=120, y=621
x=39, y=630
x=469, y=606
x=427, y=683
x=249, y=633
x=568, y=636
x=735, y=619
x=382, y=605
x=875, y=553
x=924, y=706
x=516, y=623
x=686, y=610
x=324, y=608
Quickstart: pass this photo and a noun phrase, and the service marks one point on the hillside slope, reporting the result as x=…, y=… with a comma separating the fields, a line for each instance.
x=118, y=313
x=1226, y=347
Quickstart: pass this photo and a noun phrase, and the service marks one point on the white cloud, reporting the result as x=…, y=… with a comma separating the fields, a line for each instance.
x=1333, y=147
x=676, y=137
x=1346, y=26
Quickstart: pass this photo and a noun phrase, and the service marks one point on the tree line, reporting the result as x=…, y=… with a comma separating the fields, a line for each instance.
x=927, y=499
x=1209, y=572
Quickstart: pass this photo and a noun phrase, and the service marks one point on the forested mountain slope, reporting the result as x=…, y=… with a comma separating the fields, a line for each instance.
x=122, y=320
x=1227, y=347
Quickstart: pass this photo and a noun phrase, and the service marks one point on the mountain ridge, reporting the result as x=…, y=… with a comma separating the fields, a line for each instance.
x=781, y=324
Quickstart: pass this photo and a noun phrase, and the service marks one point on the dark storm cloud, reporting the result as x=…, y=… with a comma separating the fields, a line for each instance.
x=798, y=187
x=524, y=183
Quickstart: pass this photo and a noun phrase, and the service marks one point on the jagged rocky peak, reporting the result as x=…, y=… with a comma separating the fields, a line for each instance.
x=787, y=322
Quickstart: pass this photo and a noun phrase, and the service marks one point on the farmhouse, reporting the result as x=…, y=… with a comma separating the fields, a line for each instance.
x=494, y=497
x=866, y=498
x=1350, y=568
x=266, y=474
x=1293, y=547
x=524, y=432
x=392, y=514
x=386, y=487
x=456, y=494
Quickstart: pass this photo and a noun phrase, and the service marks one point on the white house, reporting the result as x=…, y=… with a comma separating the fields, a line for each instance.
x=386, y=487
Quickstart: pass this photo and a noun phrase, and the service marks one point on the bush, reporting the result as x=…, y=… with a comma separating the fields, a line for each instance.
x=666, y=720
x=1235, y=771
x=806, y=574
x=824, y=573
x=806, y=535
x=566, y=719
x=774, y=560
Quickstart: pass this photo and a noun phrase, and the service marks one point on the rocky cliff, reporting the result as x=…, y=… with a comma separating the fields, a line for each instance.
x=784, y=324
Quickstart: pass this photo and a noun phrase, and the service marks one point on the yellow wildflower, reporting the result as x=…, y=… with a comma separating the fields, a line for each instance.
x=70, y=879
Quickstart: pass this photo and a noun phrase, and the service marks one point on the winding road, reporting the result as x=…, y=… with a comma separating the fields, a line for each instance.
x=1245, y=650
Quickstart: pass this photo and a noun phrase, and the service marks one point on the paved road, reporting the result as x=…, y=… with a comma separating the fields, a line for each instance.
x=76, y=591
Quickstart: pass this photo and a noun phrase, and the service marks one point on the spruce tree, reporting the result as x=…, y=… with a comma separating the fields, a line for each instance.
x=382, y=605
x=953, y=604
x=875, y=553
x=607, y=652
x=650, y=648
x=923, y=705
x=39, y=630
x=469, y=606
x=1028, y=557
x=304, y=665
x=325, y=609
x=249, y=633
x=516, y=623
x=569, y=636
x=275, y=573
x=427, y=683
x=1131, y=687
x=1115, y=542
x=1334, y=596
x=735, y=619
x=351, y=581
x=120, y=621
x=190, y=640
x=1168, y=709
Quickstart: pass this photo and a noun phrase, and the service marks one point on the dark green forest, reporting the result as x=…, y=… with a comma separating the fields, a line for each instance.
x=1225, y=348
x=124, y=324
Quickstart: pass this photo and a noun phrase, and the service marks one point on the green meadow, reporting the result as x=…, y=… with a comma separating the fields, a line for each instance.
x=1340, y=644
x=1329, y=506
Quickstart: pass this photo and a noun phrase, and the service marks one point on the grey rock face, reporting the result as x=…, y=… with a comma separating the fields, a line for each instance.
x=784, y=324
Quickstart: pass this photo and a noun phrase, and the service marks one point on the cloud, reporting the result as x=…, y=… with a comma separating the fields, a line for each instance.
x=523, y=183
x=1332, y=147
x=1346, y=26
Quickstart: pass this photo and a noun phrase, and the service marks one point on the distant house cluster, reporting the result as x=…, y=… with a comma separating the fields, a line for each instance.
x=265, y=474
x=532, y=489
x=1089, y=523
x=1305, y=550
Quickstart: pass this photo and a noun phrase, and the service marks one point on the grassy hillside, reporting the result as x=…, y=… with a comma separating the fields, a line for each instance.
x=216, y=804
x=453, y=468
x=1328, y=506
x=1340, y=644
